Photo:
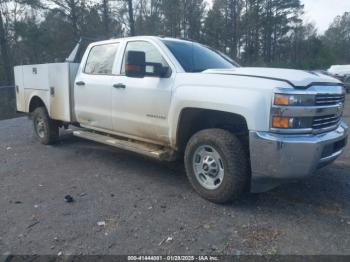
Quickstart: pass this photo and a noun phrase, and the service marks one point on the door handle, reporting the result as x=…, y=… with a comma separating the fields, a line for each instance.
x=119, y=86
x=80, y=83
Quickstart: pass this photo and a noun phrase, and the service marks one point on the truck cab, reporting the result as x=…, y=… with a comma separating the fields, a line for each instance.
x=238, y=129
x=136, y=106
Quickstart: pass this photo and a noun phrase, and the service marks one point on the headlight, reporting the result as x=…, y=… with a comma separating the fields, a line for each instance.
x=294, y=100
x=291, y=100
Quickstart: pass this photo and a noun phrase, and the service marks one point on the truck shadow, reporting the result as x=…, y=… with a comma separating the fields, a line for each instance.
x=326, y=192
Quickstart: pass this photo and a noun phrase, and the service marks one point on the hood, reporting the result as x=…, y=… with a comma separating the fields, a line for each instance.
x=296, y=78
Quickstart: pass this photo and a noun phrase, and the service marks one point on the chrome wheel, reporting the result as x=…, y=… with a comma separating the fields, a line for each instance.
x=40, y=126
x=208, y=167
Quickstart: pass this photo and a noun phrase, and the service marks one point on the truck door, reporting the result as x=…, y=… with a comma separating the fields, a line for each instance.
x=93, y=87
x=141, y=105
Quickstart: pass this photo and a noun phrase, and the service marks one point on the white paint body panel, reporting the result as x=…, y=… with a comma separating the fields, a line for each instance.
x=141, y=110
x=93, y=101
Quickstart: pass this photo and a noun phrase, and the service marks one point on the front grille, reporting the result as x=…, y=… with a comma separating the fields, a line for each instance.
x=329, y=99
x=322, y=122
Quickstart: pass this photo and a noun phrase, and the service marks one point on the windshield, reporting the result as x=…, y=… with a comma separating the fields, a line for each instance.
x=195, y=57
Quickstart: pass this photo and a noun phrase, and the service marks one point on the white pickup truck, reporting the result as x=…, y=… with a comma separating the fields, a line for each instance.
x=238, y=129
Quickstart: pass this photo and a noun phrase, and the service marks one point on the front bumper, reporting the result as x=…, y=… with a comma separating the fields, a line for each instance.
x=276, y=158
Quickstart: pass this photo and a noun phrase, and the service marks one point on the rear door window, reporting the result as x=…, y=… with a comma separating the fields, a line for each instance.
x=101, y=59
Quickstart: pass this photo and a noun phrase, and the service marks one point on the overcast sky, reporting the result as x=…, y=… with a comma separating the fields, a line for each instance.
x=322, y=12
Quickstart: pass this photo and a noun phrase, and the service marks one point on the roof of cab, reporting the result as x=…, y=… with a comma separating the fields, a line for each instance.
x=139, y=38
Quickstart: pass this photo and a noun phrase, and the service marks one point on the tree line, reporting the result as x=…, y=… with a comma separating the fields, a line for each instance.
x=253, y=32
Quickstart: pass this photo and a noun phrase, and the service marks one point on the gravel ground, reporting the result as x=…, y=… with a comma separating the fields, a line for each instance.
x=127, y=204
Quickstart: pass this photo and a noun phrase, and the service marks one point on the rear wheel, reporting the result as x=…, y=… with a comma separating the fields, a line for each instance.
x=46, y=129
x=217, y=165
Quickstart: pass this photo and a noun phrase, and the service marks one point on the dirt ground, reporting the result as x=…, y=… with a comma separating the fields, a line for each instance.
x=127, y=204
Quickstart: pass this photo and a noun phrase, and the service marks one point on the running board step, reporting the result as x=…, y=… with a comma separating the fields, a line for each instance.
x=142, y=148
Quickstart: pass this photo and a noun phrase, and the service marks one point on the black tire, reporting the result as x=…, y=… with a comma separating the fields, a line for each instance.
x=348, y=90
x=49, y=133
x=235, y=160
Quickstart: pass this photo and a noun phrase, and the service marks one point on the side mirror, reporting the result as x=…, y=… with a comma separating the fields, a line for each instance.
x=157, y=69
x=135, y=64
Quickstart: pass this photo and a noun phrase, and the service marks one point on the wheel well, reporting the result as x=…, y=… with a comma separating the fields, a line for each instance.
x=193, y=120
x=35, y=102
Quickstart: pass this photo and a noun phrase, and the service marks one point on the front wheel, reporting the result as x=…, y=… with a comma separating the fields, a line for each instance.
x=46, y=129
x=217, y=165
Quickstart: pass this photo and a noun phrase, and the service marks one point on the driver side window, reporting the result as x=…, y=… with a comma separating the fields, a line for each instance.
x=153, y=56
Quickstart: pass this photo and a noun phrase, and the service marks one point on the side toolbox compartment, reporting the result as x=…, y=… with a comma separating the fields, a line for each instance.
x=35, y=84
x=61, y=81
x=19, y=87
x=52, y=83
